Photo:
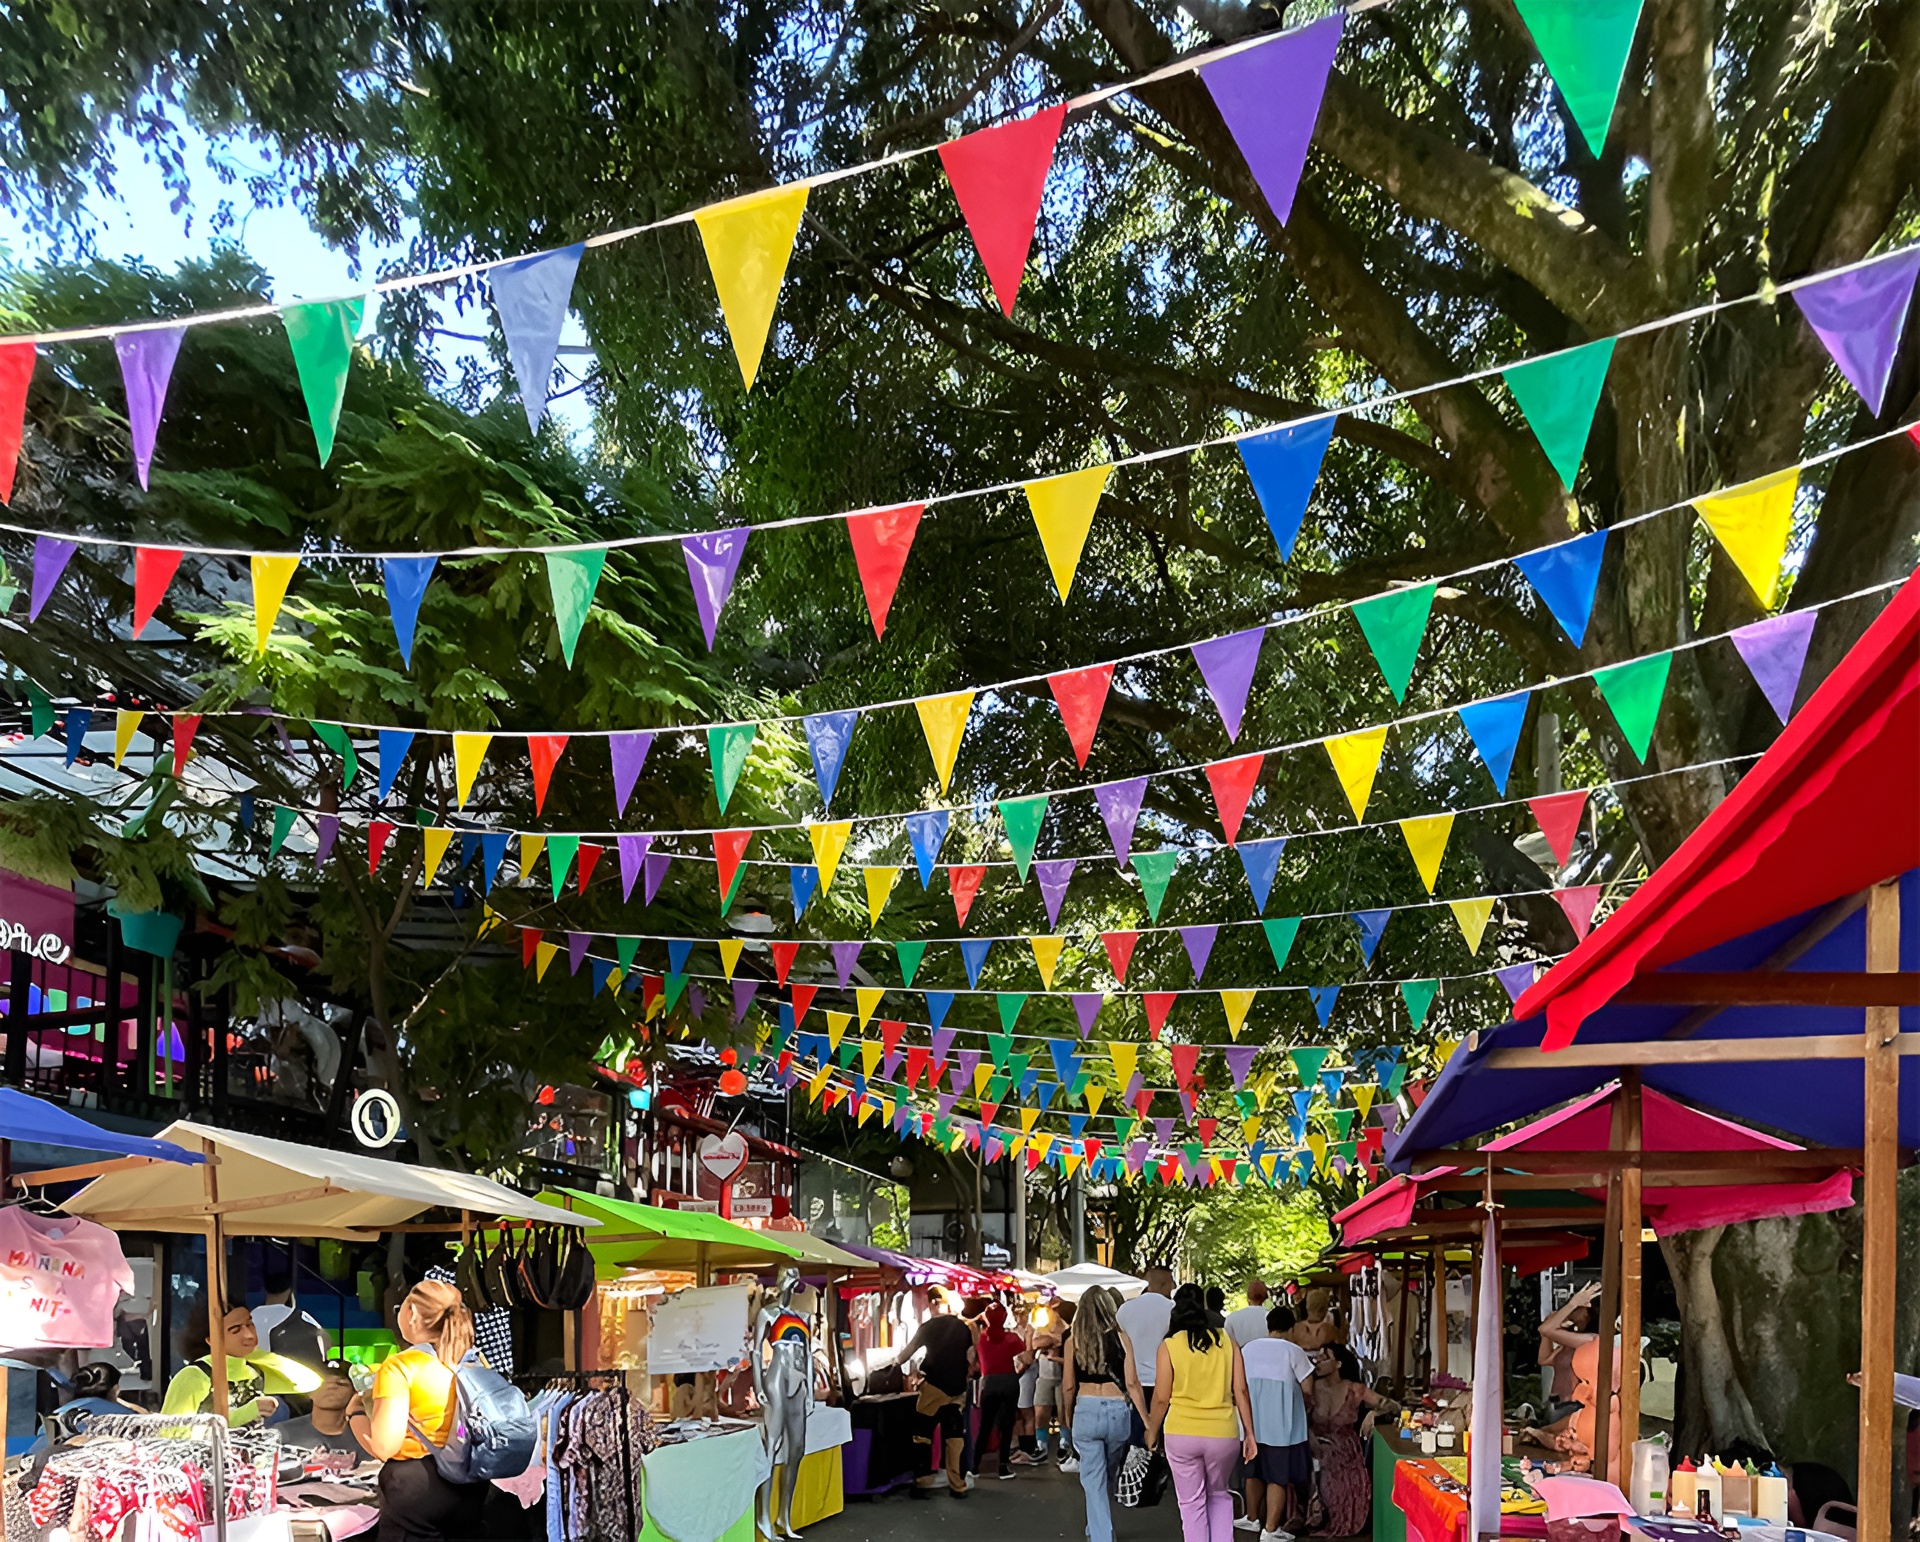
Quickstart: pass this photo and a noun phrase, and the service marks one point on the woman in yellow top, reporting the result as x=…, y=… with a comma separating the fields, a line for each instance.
x=413, y=1393
x=1200, y=1404
x=252, y=1373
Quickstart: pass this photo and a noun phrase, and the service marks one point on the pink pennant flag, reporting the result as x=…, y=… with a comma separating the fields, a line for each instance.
x=1559, y=815
x=1578, y=904
x=998, y=176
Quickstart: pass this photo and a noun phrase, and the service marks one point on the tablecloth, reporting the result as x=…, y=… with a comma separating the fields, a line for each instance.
x=697, y=1491
x=1439, y=1515
x=827, y=1427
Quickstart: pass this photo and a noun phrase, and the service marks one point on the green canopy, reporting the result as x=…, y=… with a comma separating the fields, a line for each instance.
x=654, y=1238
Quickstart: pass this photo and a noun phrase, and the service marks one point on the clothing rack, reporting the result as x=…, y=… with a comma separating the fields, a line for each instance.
x=594, y=1381
x=200, y=1430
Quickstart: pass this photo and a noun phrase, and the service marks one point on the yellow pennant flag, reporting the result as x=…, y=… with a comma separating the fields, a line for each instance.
x=749, y=242
x=1046, y=954
x=125, y=725
x=271, y=575
x=1070, y=1162
x=866, y=998
x=1356, y=759
x=982, y=1074
x=828, y=841
x=1317, y=1144
x=530, y=848
x=1219, y=1172
x=1029, y=1117
x=817, y=1083
x=1096, y=1095
x=437, y=840
x=730, y=954
x=543, y=955
x=880, y=882
x=468, y=751
x=837, y=1024
x=1363, y=1096
x=1471, y=915
x=1126, y=1059
x=1063, y=510
x=1268, y=1163
x=1043, y=1144
x=867, y=1110
x=1250, y=1128
x=943, y=719
x=870, y=1052
x=1426, y=839
x=490, y=919
x=1752, y=521
x=887, y=1106
x=1237, y=1004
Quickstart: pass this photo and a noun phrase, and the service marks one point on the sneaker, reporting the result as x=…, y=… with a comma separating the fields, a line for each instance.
x=1006, y=1473
x=1276, y=1536
x=1024, y=1459
x=1246, y=1523
x=1070, y=1464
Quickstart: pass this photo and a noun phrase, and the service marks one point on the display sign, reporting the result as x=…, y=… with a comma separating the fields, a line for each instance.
x=751, y=1209
x=376, y=1118
x=35, y=918
x=722, y=1156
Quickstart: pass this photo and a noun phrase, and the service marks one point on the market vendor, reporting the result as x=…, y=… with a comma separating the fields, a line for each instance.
x=326, y=1428
x=254, y=1375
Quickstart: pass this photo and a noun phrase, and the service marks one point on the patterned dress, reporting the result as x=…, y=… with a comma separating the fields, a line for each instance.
x=1345, y=1482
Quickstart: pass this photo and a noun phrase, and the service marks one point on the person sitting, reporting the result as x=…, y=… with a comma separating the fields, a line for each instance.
x=1561, y=1333
x=254, y=1376
x=326, y=1428
x=94, y=1390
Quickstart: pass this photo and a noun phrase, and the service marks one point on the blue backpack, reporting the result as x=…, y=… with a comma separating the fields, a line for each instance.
x=493, y=1431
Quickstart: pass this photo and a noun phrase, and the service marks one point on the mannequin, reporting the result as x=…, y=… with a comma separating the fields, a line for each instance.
x=783, y=1382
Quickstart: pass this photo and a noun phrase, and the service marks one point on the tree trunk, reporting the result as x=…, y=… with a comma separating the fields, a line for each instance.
x=1713, y=1408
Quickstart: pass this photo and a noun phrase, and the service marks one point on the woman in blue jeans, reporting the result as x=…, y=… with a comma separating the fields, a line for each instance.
x=1100, y=1392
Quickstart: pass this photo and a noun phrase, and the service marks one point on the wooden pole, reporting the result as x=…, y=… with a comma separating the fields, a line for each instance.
x=1880, y=1075
x=216, y=1281
x=1609, y=1308
x=1630, y=1259
x=1400, y=1334
x=1437, y=1316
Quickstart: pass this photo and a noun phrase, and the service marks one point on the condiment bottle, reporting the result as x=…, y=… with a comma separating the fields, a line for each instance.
x=1707, y=1502
x=1736, y=1491
x=1770, y=1496
x=1682, y=1485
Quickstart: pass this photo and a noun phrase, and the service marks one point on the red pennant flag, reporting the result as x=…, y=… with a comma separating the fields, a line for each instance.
x=965, y=883
x=783, y=953
x=881, y=540
x=802, y=999
x=987, y=1111
x=998, y=176
x=917, y=1058
x=1119, y=947
x=185, y=726
x=1081, y=694
x=16, y=369
x=784, y=1063
x=1227, y=1166
x=890, y=1032
x=1158, y=1005
x=590, y=855
x=153, y=570
x=378, y=834
x=1093, y=1149
x=832, y=1100
x=529, y=945
x=1207, y=1129
x=729, y=846
x=544, y=751
x=651, y=989
x=1559, y=819
x=1142, y=1101
x=1186, y=1057
x=1417, y=1093
x=1577, y=904
x=1233, y=782
x=1033, y=1158
x=1169, y=1170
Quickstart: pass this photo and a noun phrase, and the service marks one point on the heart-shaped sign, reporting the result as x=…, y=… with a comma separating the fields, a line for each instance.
x=723, y=1155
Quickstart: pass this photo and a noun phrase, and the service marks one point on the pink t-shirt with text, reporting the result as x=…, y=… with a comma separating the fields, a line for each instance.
x=60, y=1279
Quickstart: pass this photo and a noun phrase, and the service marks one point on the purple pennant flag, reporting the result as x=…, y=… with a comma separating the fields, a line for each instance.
x=1860, y=315
x=696, y=1001
x=576, y=950
x=1227, y=664
x=1136, y=1157
x=656, y=866
x=1086, y=1007
x=146, y=365
x=1388, y=1113
x=1515, y=979
x=329, y=832
x=1163, y=1132
x=1136, y=1084
x=1120, y=809
x=944, y=1102
x=1054, y=877
x=1776, y=651
x=743, y=993
x=629, y=752
x=531, y=295
x=964, y=1065
x=712, y=561
x=1239, y=1059
x=50, y=558
x=1269, y=96
x=633, y=853
x=890, y=1067
x=845, y=956
x=1199, y=944
x=942, y=1041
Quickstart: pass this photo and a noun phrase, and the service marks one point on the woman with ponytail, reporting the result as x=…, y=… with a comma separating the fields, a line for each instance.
x=414, y=1403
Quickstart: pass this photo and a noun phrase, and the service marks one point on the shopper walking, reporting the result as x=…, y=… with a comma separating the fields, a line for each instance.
x=1144, y=1321
x=940, y=1411
x=1279, y=1379
x=1201, y=1411
x=1101, y=1396
x=1000, y=1350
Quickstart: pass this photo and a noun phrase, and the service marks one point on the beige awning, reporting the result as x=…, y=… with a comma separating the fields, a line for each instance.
x=277, y=1188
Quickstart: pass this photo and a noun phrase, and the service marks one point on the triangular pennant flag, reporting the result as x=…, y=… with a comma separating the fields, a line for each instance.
x=1566, y=577
x=1585, y=44
x=880, y=882
x=828, y=841
x=1198, y=941
x=1009, y=1004
x=126, y=724
x=964, y=884
x=1269, y=96
x=1260, y=860
x=1119, y=946
x=1022, y=818
x=1394, y=624
x=1081, y=694
x=943, y=719
x=468, y=751
x=1578, y=906
x=866, y=1000
x=146, y=365
x=973, y=954
x=1471, y=917
x=629, y=752
x=561, y=850
x=1046, y=956
x=327, y=831
x=1356, y=761
x=1233, y=782
x=1227, y=665
x=1237, y=1003
x=909, y=954
x=16, y=371
x=1633, y=691
x=493, y=849
x=881, y=540
x=1372, y=924
x=337, y=739
x=50, y=558
x=828, y=735
x=1155, y=871
x=743, y=994
x=802, y=999
x=185, y=726
x=572, y=577
x=927, y=833
x=531, y=294
x=1281, y=933
x=435, y=841
x=1559, y=395
x=393, y=744
x=727, y=748
x=748, y=243
x=1426, y=840
x=1086, y=1009
x=783, y=955
x=1515, y=980
x=1324, y=997
x=633, y=858
x=1119, y=804
x=1860, y=316
x=1054, y=877
x=1062, y=510
x=1283, y=464
x=529, y=945
x=998, y=175
x=1418, y=995
x=40, y=706
x=679, y=950
x=1559, y=816
x=543, y=753
x=730, y=950
x=405, y=580
x=1158, y=1004
x=321, y=334
x=729, y=847
x=1306, y=1065
x=544, y=954
x=713, y=560
x=1125, y=1060
x=1753, y=522
x=1775, y=650
x=1494, y=726
x=837, y=1025
x=271, y=575
x=654, y=867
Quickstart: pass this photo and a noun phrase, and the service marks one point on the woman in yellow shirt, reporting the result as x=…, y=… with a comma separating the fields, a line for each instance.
x=413, y=1394
x=1200, y=1404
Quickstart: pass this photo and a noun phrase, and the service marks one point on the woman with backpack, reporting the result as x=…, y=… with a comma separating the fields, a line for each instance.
x=414, y=1396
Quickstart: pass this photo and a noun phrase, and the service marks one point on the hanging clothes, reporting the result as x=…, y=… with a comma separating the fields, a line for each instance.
x=60, y=1278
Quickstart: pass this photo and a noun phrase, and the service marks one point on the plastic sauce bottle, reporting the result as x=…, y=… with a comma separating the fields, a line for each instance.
x=1736, y=1491
x=1708, y=1503
x=1770, y=1496
x=1682, y=1487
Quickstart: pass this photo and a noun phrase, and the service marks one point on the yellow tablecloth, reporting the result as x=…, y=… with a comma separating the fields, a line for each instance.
x=818, y=1494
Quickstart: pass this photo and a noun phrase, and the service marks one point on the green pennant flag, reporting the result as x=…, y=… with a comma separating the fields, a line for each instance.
x=321, y=334
x=1559, y=395
x=1123, y=1127
x=733, y=889
x=283, y=823
x=1346, y=1149
x=1418, y=995
x=1155, y=869
x=910, y=954
x=1308, y=1062
x=625, y=949
x=849, y=1049
x=1247, y=1103
x=1633, y=690
x=561, y=850
x=999, y=1046
x=1077, y=1093
x=573, y=576
x=1396, y=1078
x=676, y=986
x=1010, y=1003
x=1194, y=1151
x=1023, y=818
x=1017, y=1068
x=1280, y=936
x=41, y=705
x=1585, y=44
x=996, y=1089
x=336, y=738
x=1343, y=1121
x=727, y=749
x=1394, y=624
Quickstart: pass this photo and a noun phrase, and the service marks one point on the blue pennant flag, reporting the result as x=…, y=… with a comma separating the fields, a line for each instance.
x=1333, y=1081
x=531, y=295
x=1283, y=465
x=1302, y=1101
x=973, y=953
x=1371, y=923
x=1324, y=996
x=246, y=811
x=928, y=833
x=1297, y=1127
x=812, y=1046
x=1066, y=1060
x=1076, y=1125
x=393, y=744
x=786, y=1016
x=493, y=849
x=1565, y=577
x=602, y=969
x=1027, y=1083
x=939, y=1003
x=469, y=847
x=828, y=735
x=406, y=579
x=804, y=879
x=1261, y=859
x=1046, y=1094
x=1494, y=726
x=79, y=720
x=677, y=950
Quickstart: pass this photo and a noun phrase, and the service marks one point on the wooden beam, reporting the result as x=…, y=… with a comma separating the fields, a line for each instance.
x=1808, y=988
x=216, y=1283
x=1879, y=1262
x=1785, y=956
x=1603, y=1457
x=1815, y=1158
x=79, y=1170
x=1812, y=1046
x=223, y=1207
x=1630, y=1260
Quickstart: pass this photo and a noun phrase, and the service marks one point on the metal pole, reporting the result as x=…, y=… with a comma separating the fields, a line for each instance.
x=216, y=1284
x=1018, y=1179
x=1078, y=1192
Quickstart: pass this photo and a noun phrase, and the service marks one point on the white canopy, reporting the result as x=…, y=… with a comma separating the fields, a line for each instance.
x=275, y=1188
x=1075, y=1282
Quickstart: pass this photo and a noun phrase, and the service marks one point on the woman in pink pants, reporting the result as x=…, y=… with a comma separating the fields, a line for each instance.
x=1200, y=1404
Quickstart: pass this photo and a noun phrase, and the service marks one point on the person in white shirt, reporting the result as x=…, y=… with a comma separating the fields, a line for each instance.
x=1250, y=1322
x=1279, y=1374
x=1144, y=1321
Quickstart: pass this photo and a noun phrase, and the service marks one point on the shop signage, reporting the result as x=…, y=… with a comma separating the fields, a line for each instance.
x=699, y=1206
x=35, y=918
x=752, y=1209
x=723, y=1155
x=376, y=1118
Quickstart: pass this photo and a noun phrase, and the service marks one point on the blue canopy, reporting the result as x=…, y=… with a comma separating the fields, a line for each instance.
x=27, y=1118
